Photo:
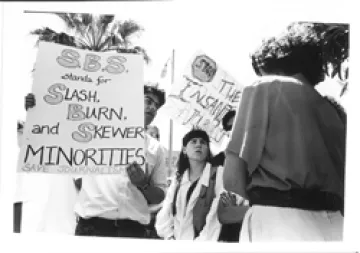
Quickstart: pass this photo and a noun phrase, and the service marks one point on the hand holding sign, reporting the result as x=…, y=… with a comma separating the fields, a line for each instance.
x=29, y=101
x=137, y=176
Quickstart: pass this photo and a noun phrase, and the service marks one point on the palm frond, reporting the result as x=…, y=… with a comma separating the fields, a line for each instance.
x=85, y=38
x=86, y=19
x=79, y=27
x=104, y=21
x=105, y=45
x=128, y=28
x=95, y=33
x=102, y=39
x=42, y=31
x=82, y=44
x=49, y=35
x=67, y=20
x=142, y=51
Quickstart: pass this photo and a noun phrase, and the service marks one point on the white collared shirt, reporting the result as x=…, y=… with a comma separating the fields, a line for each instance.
x=181, y=225
x=115, y=197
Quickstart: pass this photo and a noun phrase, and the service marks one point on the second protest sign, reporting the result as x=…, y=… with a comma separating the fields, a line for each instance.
x=202, y=96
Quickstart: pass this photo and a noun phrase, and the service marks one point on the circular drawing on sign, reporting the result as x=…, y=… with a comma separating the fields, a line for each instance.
x=204, y=68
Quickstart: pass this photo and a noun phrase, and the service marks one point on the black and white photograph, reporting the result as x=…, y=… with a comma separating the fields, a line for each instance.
x=161, y=121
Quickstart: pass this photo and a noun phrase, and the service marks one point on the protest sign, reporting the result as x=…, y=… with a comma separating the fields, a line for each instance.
x=202, y=96
x=89, y=113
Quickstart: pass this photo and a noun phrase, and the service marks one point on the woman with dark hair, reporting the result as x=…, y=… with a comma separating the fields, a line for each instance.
x=287, y=150
x=189, y=208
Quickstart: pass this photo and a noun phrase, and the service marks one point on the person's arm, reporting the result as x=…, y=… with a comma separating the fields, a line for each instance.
x=235, y=174
x=157, y=180
x=231, y=210
x=247, y=142
x=152, y=193
x=152, y=185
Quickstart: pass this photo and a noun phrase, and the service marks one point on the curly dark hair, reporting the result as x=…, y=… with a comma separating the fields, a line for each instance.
x=297, y=50
x=230, y=114
x=183, y=162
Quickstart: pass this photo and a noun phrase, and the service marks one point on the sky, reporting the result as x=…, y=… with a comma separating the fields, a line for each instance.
x=226, y=30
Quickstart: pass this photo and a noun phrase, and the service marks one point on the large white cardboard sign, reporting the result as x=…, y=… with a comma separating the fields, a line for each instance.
x=89, y=113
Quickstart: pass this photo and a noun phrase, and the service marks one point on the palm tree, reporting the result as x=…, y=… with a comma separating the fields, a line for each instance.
x=95, y=33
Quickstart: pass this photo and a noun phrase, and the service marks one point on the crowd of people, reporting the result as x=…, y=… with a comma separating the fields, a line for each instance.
x=281, y=177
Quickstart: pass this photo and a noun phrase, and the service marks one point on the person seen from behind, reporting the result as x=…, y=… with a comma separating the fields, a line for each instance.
x=286, y=154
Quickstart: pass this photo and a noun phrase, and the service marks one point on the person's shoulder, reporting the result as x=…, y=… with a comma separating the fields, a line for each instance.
x=151, y=140
x=275, y=84
x=154, y=145
x=270, y=80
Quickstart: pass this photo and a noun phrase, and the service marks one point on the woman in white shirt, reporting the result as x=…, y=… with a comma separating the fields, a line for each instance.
x=189, y=208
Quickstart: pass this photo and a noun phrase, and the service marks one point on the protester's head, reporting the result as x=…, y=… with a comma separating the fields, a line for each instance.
x=154, y=132
x=228, y=120
x=154, y=98
x=195, y=147
x=297, y=51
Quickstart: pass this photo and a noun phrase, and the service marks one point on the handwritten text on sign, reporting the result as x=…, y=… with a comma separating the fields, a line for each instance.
x=86, y=118
x=203, y=96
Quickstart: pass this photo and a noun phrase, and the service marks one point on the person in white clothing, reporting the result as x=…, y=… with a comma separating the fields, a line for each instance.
x=189, y=208
x=154, y=132
x=43, y=203
x=119, y=205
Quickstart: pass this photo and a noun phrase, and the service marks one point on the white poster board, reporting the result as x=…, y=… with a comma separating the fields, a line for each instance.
x=89, y=113
x=202, y=96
